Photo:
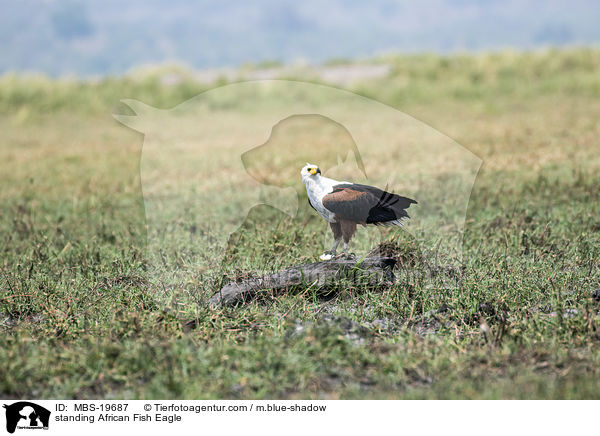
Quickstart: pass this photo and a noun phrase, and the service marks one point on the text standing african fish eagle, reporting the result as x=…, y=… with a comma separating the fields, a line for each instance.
x=346, y=204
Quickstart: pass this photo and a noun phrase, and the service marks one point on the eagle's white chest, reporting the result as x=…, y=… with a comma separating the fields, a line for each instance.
x=316, y=191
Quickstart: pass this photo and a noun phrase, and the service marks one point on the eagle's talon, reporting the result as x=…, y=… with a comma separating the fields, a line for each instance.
x=328, y=255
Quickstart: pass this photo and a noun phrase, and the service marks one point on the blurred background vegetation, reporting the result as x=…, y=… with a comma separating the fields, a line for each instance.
x=491, y=78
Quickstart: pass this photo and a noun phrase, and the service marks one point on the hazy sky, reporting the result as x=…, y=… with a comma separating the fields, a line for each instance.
x=110, y=36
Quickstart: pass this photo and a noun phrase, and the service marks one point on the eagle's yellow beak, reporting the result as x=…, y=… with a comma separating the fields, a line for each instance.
x=313, y=171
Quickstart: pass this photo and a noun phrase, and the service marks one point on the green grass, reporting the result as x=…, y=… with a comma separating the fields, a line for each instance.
x=80, y=317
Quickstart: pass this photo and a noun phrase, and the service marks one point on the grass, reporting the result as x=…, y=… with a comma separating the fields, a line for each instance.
x=80, y=314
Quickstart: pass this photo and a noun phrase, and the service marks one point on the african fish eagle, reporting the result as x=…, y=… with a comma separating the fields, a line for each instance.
x=346, y=204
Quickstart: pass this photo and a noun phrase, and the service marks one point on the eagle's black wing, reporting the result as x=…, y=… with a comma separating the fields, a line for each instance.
x=366, y=204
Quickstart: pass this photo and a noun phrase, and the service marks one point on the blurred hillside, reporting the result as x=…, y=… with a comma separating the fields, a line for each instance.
x=487, y=81
x=96, y=38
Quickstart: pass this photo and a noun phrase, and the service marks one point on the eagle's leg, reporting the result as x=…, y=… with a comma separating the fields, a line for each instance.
x=348, y=230
x=337, y=236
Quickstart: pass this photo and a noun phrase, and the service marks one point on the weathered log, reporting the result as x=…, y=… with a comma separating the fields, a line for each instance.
x=370, y=271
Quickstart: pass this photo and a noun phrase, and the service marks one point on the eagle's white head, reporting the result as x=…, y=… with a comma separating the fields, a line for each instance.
x=310, y=170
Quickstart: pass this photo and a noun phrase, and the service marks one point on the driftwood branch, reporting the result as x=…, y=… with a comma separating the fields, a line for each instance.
x=373, y=270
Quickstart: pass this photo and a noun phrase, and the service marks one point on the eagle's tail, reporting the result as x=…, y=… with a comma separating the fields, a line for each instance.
x=397, y=222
